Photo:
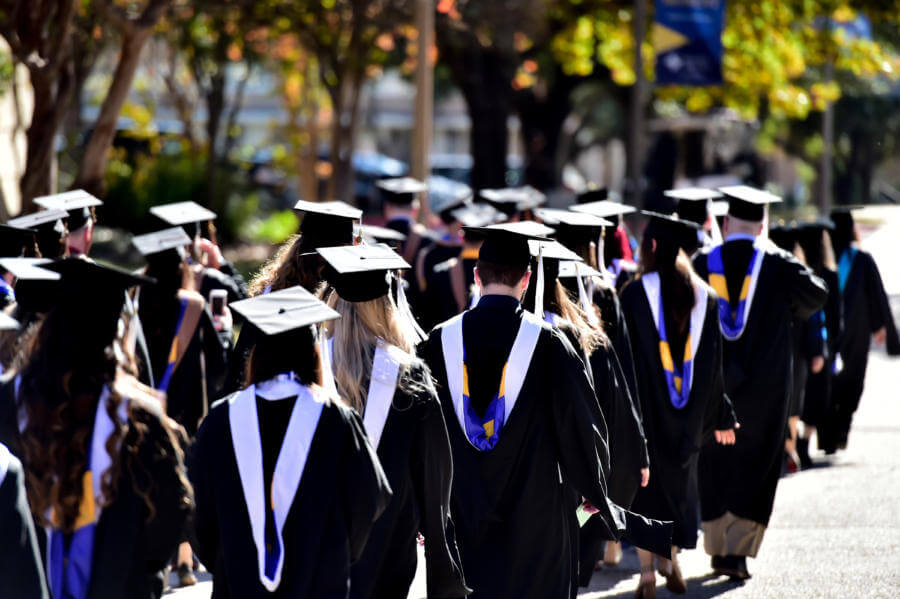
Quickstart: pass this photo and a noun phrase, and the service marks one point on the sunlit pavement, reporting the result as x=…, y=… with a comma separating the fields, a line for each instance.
x=835, y=531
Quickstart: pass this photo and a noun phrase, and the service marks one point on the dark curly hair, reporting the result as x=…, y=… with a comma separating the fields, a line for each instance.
x=295, y=263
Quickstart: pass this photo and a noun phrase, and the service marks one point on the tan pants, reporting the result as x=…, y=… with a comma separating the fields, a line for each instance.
x=731, y=535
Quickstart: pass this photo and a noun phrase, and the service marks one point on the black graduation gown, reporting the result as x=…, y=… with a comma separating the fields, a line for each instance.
x=817, y=398
x=415, y=454
x=417, y=239
x=185, y=395
x=431, y=307
x=225, y=277
x=674, y=436
x=341, y=493
x=514, y=505
x=441, y=299
x=21, y=568
x=866, y=309
x=758, y=367
x=131, y=545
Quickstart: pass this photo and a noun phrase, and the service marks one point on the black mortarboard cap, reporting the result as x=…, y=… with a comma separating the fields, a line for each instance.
x=7, y=322
x=784, y=235
x=78, y=203
x=664, y=227
x=36, y=287
x=513, y=200
x=551, y=250
x=284, y=311
x=507, y=243
x=604, y=208
x=183, y=213
x=13, y=240
x=568, y=270
x=401, y=190
x=574, y=228
x=748, y=203
x=361, y=273
x=477, y=215
x=376, y=234
x=50, y=230
x=693, y=202
x=160, y=241
x=326, y=224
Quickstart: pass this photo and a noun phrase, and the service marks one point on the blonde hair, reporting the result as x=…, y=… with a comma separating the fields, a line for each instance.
x=590, y=336
x=356, y=334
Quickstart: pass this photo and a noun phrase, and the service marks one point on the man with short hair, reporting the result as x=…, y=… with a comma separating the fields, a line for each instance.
x=528, y=441
x=760, y=289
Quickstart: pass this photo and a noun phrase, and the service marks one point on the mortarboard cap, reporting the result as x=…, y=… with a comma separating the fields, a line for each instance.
x=400, y=190
x=284, y=310
x=574, y=228
x=567, y=270
x=8, y=323
x=360, y=273
x=748, y=203
x=507, y=243
x=173, y=239
x=35, y=286
x=42, y=219
x=183, y=213
x=719, y=208
x=784, y=235
x=477, y=215
x=13, y=240
x=513, y=200
x=604, y=208
x=78, y=203
x=327, y=224
x=679, y=232
x=376, y=234
x=693, y=202
x=552, y=250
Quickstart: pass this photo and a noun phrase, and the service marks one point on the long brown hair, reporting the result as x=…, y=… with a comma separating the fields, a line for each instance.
x=355, y=336
x=293, y=264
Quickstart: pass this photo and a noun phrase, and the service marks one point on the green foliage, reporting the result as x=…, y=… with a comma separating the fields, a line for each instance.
x=275, y=229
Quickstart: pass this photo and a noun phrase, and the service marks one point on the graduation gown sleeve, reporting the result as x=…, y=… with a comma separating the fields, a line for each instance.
x=366, y=491
x=432, y=468
x=879, y=305
x=807, y=291
x=21, y=567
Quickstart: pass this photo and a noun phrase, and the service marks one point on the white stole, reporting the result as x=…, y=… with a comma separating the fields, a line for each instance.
x=382, y=384
x=244, y=422
x=516, y=366
x=651, y=286
x=5, y=459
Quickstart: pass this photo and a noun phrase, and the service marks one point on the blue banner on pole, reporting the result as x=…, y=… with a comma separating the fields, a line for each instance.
x=687, y=37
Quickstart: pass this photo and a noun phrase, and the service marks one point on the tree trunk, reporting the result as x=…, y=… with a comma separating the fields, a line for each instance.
x=52, y=94
x=91, y=176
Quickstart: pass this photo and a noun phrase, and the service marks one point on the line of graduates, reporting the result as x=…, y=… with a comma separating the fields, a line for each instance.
x=566, y=398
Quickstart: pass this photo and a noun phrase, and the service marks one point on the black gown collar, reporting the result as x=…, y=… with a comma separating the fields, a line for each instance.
x=497, y=301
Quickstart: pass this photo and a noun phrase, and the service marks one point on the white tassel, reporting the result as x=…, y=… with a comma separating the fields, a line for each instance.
x=539, y=290
x=601, y=260
x=765, y=223
x=715, y=233
x=586, y=303
x=406, y=314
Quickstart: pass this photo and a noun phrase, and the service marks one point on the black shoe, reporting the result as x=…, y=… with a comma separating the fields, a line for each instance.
x=742, y=567
x=803, y=452
x=717, y=562
x=734, y=567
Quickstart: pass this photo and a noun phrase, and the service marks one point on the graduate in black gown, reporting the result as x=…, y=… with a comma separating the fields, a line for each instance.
x=760, y=290
x=867, y=318
x=618, y=260
x=693, y=204
x=50, y=231
x=210, y=268
x=827, y=329
x=21, y=569
x=287, y=485
x=81, y=208
x=674, y=324
x=524, y=433
x=368, y=357
x=105, y=478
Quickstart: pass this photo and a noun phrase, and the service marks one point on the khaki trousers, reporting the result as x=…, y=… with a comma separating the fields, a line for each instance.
x=731, y=535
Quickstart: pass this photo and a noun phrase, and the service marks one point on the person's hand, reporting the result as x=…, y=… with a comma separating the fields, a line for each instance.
x=223, y=321
x=817, y=364
x=880, y=336
x=725, y=437
x=210, y=254
x=645, y=477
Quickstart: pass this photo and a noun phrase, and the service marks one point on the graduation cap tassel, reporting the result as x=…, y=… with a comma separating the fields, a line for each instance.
x=714, y=232
x=765, y=223
x=539, y=290
x=583, y=298
x=601, y=264
x=406, y=313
